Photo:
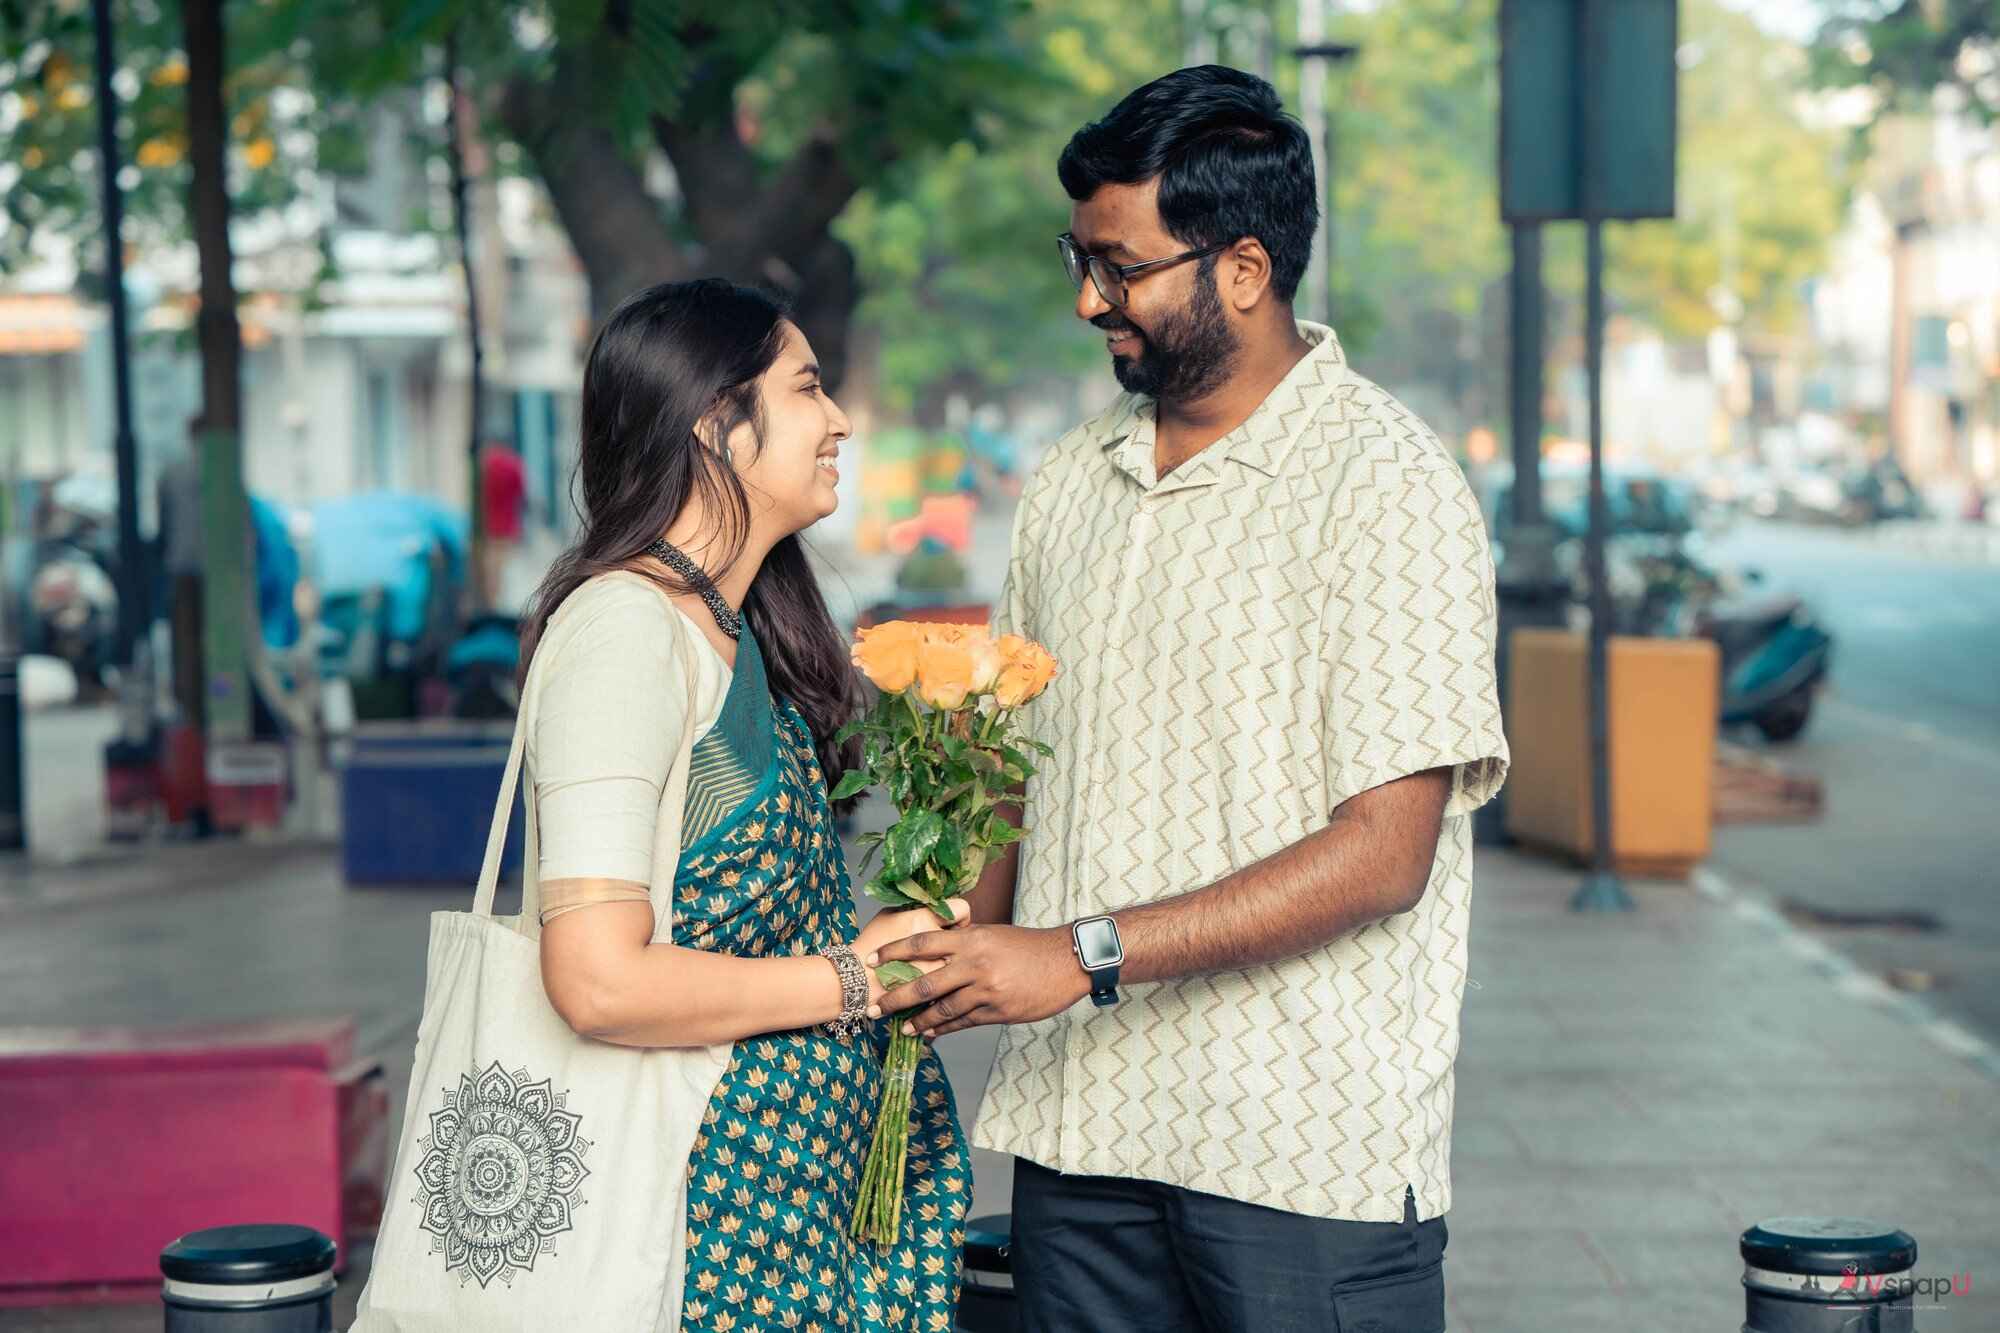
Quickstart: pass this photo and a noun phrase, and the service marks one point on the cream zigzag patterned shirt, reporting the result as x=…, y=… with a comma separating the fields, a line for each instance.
x=1300, y=612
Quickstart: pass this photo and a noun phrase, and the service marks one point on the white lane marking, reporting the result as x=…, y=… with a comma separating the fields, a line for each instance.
x=1847, y=976
x=1964, y=751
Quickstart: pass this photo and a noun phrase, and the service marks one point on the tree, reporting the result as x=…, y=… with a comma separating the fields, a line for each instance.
x=49, y=185
x=1913, y=49
x=771, y=116
x=1761, y=192
x=957, y=254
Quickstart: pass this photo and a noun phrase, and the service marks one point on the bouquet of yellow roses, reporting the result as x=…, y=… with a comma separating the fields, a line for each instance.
x=942, y=739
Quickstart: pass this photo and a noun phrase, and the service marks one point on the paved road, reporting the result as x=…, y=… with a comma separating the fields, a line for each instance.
x=1908, y=744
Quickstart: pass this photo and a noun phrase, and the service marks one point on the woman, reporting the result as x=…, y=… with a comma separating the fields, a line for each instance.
x=708, y=443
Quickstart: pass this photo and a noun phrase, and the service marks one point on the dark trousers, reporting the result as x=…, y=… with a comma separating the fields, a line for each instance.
x=1100, y=1255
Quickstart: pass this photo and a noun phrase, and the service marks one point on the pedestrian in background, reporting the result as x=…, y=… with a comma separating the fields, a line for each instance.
x=503, y=490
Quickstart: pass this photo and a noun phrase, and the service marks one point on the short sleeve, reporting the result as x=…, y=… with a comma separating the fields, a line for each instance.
x=610, y=718
x=1010, y=612
x=1408, y=673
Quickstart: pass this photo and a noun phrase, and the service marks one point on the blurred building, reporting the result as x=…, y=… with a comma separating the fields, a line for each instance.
x=356, y=362
x=1907, y=320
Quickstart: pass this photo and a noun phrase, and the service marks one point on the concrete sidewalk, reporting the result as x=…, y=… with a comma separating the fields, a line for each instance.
x=1633, y=1090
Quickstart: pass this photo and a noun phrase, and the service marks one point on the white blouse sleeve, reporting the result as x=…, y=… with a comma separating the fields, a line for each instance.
x=611, y=718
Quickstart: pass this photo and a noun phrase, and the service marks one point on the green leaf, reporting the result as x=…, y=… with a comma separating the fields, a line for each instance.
x=888, y=891
x=910, y=842
x=949, y=854
x=852, y=781
x=897, y=974
x=1044, y=751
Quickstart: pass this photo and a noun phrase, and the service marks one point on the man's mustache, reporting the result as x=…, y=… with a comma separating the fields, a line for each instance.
x=1113, y=324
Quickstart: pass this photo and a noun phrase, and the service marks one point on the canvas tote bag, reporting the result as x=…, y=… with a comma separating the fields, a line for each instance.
x=540, y=1180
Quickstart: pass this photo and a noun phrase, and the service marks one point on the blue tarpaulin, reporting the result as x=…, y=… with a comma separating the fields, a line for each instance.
x=383, y=540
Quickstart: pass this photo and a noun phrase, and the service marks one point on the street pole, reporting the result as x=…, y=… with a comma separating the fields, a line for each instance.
x=1318, y=59
x=13, y=827
x=131, y=583
x=1312, y=114
x=461, y=210
x=131, y=758
x=1532, y=593
x=1601, y=889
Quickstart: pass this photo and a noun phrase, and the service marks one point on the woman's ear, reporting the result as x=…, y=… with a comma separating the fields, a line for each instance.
x=708, y=433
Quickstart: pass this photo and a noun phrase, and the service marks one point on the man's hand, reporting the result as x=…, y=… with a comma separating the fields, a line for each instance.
x=988, y=974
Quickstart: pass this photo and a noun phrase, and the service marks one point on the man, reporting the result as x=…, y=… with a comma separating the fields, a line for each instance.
x=1269, y=590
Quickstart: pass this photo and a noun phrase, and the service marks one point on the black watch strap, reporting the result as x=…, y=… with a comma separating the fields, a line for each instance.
x=1104, y=985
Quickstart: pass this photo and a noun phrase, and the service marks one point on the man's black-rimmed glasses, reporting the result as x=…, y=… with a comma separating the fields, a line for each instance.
x=1113, y=280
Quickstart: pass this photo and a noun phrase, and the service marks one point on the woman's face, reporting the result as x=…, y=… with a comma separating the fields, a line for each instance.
x=791, y=481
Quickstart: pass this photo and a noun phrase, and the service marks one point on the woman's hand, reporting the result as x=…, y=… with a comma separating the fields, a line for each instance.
x=886, y=928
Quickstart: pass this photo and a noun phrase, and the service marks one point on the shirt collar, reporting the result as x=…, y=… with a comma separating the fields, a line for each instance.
x=1263, y=439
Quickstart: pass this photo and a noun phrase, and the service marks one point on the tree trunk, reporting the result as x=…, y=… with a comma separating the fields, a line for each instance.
x=770, y=230
x=216, y=329
x=228, y=612
x=614, y=226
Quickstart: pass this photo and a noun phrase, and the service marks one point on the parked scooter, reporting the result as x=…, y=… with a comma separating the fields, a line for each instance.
x=1775, y=656
x=75, y=606
x=72, y=586
x=1775, y=653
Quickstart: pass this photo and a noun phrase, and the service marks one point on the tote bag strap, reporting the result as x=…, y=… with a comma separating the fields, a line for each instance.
x=672, y=796
x=503, y=808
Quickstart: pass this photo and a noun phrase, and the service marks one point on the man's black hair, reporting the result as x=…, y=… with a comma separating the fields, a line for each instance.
x=1231, y=163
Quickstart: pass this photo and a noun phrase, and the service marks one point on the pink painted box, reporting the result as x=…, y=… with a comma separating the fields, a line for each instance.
x=120, y=1139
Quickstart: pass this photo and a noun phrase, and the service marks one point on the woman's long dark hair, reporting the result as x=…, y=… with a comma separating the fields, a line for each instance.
x=667, y=358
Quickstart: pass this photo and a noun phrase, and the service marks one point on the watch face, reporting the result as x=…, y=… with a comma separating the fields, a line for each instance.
x=1097, y=943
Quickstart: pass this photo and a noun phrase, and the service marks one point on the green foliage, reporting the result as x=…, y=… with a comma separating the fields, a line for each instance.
x=1906, y=51
x=958, y=256
x=1760, y=194
x=49, y=119
x=1760, y=191
x=947, y=771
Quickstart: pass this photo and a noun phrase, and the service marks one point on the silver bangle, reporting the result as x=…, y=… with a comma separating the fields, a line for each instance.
x=853, y=990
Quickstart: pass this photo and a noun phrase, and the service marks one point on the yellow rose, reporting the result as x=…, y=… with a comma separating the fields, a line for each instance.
x=1026, y=671
x=887, y=654
x=986, y=657
x=944, y=672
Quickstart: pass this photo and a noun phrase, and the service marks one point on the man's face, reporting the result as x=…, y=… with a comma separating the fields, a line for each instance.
x=1172, y=338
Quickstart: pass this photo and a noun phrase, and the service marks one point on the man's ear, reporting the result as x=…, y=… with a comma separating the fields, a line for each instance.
x=1250, y=274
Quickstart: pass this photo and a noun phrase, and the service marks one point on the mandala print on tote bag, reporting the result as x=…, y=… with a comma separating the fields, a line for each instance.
x=502, y=1172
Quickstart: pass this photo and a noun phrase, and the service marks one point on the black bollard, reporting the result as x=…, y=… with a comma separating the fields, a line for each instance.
x=1827, y=1275
x=260, y=1278
x=986, y=1301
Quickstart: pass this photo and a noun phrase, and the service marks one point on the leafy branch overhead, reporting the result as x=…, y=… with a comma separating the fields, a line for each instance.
x=771, y=116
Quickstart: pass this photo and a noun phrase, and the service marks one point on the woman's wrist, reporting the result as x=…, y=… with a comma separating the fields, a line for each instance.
x=855, y=989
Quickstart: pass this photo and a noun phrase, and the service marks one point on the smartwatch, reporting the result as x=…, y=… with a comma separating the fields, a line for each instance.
x=1098, y=948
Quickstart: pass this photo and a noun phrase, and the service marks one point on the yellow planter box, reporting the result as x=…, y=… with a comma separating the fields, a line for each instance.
x=1663, y=707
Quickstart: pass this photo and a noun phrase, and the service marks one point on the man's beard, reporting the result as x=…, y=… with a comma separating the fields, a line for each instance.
x=1185, y=354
